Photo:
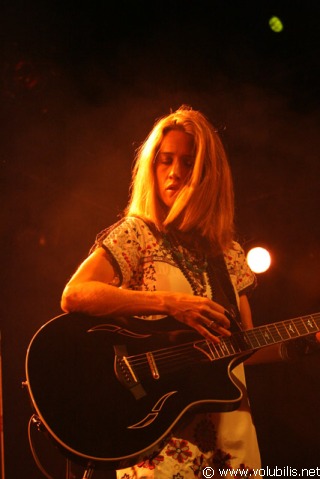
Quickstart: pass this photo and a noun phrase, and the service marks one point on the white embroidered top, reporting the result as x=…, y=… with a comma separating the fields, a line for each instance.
x=214, y=440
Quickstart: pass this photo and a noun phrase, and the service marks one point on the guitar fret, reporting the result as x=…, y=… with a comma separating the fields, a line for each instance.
x=252, y=340
x=206, y=348
x=257, y=338
x=291, y=329
x=262, y=336
x=267, y=336
x=273, y=330
x=260, y=339
x=223, y=348
x=244, y=341
x=301, y=327
x=282, y=331
x=310, y=324
x=213, y=350
x=235, y=343
x=230, y=346
x=219, y=349
x=227, y=346
x=239, y=348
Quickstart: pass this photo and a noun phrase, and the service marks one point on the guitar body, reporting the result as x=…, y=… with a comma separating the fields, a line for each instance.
x=104, y=399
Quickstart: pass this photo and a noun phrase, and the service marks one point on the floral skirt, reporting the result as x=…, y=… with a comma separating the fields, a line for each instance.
x=210, y=446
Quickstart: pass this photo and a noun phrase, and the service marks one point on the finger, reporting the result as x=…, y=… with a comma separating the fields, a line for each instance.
x=207, y=334
x=217, y=321
x=215, y=326
x=211, y=324
x=213, y=311
x=220, y=318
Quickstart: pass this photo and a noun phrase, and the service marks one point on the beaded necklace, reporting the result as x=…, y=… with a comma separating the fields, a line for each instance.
x=192, y=263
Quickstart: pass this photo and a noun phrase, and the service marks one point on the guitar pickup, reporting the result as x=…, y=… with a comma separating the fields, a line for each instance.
x=153, y=366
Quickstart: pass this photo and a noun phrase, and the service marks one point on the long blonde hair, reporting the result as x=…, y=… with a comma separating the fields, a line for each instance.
x=206, y=202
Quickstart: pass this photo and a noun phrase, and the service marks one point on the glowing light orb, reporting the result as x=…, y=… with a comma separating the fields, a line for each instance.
x=259, y=259
x=276, y=24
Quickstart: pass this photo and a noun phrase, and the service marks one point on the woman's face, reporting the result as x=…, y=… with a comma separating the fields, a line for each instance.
x=174, y=164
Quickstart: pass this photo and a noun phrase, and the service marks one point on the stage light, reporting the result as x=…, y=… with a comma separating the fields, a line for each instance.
x=259, y=259
x=276, y=24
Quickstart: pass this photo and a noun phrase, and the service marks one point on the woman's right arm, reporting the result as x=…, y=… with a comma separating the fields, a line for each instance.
x=89, y=291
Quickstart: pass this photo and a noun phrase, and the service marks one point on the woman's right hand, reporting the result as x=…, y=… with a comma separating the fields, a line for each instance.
x=200, y=313
x=90, y=291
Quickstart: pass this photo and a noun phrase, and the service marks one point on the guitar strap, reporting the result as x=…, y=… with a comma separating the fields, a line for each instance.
x=223, y=291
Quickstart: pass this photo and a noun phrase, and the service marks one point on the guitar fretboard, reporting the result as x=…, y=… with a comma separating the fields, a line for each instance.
x=252, y=339
x=184, y=355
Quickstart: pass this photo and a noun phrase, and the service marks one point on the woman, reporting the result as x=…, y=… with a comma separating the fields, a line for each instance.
x=164, y=259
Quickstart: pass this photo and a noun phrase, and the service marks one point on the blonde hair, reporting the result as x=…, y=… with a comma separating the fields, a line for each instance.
x=206, y=202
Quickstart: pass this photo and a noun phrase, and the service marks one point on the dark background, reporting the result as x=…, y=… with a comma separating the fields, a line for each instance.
x=81, y=86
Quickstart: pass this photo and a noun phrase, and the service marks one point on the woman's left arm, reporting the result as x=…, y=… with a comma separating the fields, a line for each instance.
x=264, y=355
x=276, y=352
x=245, y=312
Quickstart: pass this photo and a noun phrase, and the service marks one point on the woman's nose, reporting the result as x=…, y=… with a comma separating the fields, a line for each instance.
x=175, y=170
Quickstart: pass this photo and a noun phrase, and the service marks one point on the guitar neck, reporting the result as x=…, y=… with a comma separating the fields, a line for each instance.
x=260, y=337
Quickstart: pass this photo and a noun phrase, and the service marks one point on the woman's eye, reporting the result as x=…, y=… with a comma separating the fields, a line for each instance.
x=189, y=162
x=165, y=160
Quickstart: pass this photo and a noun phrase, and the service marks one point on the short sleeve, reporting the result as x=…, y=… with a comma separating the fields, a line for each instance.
x=242, y=277
x=127, y=243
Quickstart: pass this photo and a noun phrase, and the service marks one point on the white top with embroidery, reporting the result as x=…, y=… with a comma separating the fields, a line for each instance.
x=216, y=440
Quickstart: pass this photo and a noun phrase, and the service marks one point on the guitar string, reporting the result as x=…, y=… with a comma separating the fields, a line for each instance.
x=180, y=351
x=226, y=342
x=165, y=361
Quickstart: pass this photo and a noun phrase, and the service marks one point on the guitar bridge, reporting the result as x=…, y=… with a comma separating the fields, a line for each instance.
x=125, y=372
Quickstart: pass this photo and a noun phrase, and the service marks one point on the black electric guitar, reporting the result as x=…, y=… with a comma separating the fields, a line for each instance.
x=111, y=391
